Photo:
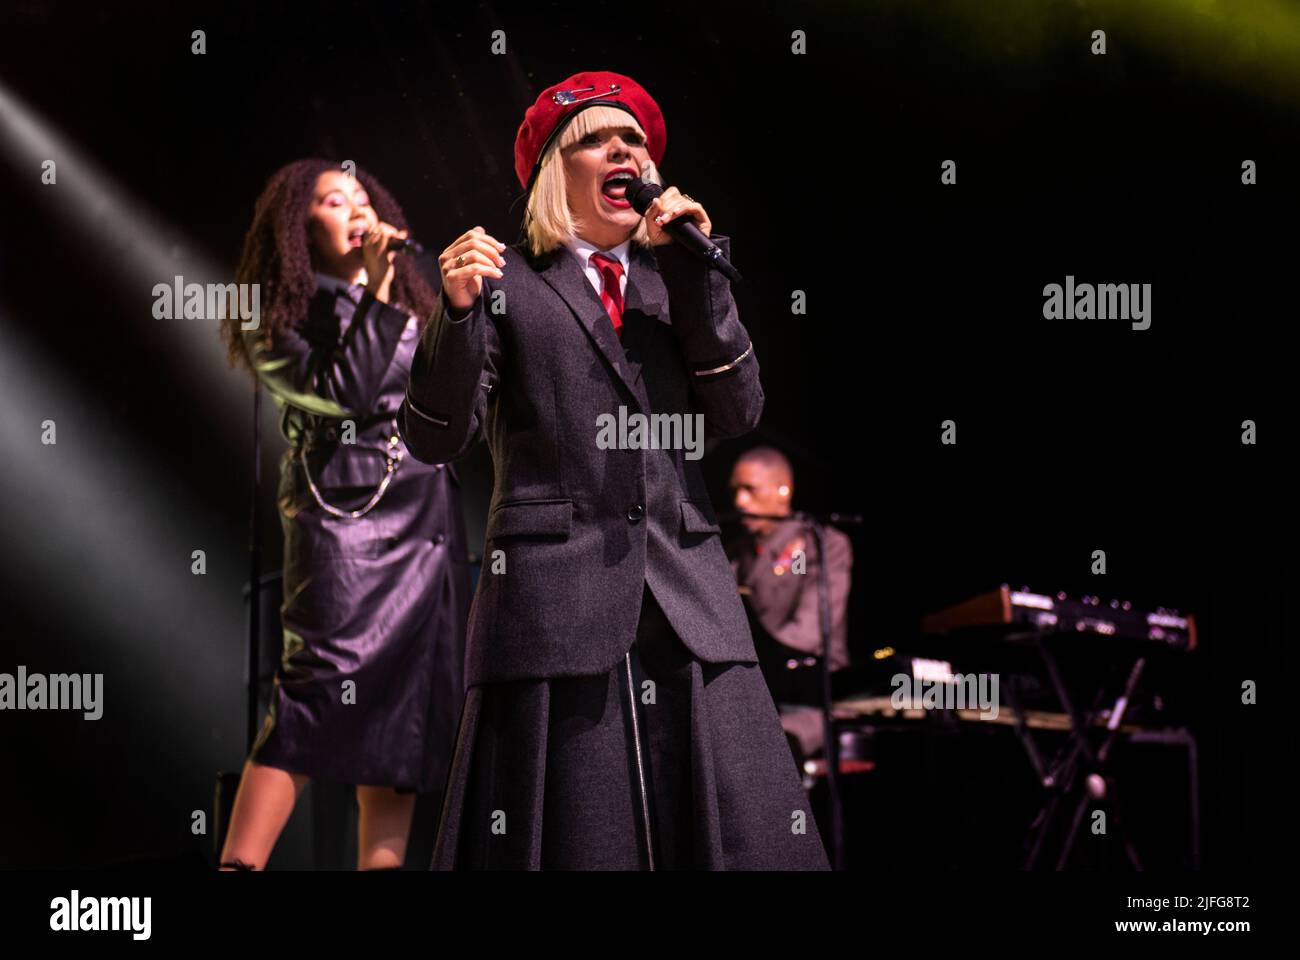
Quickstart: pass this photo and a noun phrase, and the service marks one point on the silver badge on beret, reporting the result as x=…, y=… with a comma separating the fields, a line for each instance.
x=566, y=97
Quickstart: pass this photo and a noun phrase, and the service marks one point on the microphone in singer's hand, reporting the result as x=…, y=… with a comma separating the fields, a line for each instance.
x=398, y=245
x=684, y=230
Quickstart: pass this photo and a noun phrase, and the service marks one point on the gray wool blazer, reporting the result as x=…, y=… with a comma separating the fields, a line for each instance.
x=574, y=529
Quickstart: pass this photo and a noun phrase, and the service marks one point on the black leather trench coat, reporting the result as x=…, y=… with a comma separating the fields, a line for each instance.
x=369, y=689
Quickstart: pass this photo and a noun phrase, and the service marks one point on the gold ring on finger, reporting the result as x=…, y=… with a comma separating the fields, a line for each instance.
x=460, y=260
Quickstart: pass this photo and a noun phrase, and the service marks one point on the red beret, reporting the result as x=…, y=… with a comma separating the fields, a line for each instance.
x=557, y=105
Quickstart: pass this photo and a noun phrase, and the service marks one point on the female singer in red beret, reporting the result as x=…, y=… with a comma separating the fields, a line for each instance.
x=615, y=717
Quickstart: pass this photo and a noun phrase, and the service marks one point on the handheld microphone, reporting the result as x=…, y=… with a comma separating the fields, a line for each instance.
x=684, y=230
x=398, y=245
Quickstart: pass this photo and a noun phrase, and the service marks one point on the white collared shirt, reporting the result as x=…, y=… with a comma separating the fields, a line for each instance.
x=583, y=250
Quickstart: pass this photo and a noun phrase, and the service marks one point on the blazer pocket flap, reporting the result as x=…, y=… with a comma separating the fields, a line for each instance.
x=697, y=517
x=537, y=518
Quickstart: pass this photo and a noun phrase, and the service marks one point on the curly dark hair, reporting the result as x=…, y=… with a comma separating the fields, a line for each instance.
x=277, y=253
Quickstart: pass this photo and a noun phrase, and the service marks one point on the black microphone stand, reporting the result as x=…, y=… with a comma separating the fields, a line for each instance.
x=228, y=780
x=829, y=735
x=815, y=524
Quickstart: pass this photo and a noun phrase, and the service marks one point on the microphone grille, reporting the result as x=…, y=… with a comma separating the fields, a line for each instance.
x=639, y=193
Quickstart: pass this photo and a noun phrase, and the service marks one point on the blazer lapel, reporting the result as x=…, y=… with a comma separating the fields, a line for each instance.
x=562, y=273
x=644, y=303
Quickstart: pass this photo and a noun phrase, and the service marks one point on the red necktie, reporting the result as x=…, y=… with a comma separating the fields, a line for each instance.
x=612, y=295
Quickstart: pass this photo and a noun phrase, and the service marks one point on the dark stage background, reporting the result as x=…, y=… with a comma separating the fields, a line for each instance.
x=924, y=303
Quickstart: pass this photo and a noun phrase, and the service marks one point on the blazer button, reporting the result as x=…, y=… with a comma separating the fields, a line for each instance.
x=635, y=512
x=440, y=538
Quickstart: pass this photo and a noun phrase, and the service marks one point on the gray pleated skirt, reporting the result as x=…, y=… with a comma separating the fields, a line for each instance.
x=564, y=774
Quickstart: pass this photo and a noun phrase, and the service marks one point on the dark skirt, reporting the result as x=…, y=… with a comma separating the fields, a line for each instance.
x=370, y=685
x=548, y=775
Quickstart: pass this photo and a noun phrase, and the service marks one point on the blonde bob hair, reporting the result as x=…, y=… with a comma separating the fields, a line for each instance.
x=548, y=220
